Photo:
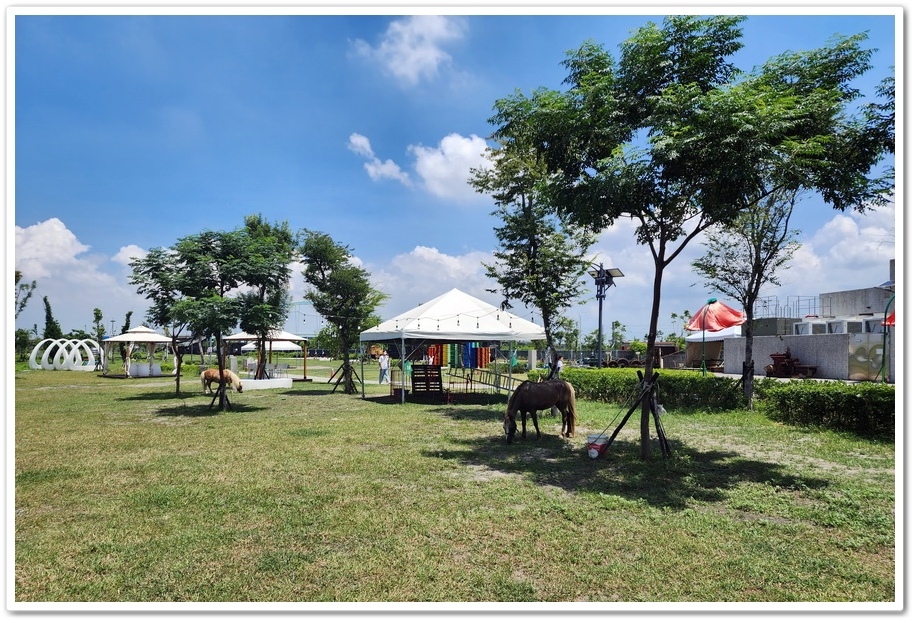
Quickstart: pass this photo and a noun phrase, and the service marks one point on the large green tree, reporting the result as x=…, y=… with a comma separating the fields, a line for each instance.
x=263, y=307
x=158, y=276
x=211, y=282
x=212, y=265
x=673, y=136
x=541, y=256
x=746, y=254
x=189, y=286
x=340, y=292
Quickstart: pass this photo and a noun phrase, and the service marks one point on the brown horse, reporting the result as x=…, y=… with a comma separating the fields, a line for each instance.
x=532, y=397
x=210, y=376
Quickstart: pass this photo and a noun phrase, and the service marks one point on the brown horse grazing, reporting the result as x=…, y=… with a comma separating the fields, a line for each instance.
x=210, y=376
x=532, y=397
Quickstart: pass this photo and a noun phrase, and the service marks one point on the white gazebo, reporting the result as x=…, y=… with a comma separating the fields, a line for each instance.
x=134, y=337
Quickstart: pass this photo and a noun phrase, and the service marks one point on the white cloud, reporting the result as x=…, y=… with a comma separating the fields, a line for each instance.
x=849, y=252
x=379, y=170
x=425, y=272
x=74, y=281
x=445, y=169
x=376, y=169
x=360, y=145
x=127, y=254
x=45, y=248
x=412, y=48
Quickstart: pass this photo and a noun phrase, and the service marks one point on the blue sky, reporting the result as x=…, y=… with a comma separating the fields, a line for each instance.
x=132, y=131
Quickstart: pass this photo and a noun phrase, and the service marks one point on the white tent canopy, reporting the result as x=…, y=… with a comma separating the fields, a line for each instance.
x=140, y=335
x=282, y=345
x=274, y=336
x=455, y=317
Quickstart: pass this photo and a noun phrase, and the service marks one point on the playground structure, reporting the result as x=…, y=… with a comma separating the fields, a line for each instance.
x=65, y=354
x=447, y=370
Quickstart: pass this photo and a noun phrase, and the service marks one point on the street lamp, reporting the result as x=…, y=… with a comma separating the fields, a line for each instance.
x=603, y=277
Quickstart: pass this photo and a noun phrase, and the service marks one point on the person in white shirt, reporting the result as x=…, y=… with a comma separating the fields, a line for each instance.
x=384, y=363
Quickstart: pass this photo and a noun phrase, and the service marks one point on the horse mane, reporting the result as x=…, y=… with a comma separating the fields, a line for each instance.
x=516, y=396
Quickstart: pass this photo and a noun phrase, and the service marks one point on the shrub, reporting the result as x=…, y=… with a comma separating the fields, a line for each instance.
x=676, y=389
x=503, y=368
x=862, y=408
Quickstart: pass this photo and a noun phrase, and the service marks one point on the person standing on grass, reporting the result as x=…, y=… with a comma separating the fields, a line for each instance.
x=384, y=363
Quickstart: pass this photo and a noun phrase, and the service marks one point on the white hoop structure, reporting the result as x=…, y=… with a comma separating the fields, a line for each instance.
x=67, y=356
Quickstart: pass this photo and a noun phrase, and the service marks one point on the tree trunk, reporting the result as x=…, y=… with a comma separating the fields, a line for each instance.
x=261, y=369
x=748, y=367
x=349, y=385
x=644, y=426
x=178, y=358
x=223, y=403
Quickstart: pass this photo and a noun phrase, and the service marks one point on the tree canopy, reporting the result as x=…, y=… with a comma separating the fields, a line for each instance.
x=340, y=291
x=675, y=137
x=541, y=256
x=209, y=283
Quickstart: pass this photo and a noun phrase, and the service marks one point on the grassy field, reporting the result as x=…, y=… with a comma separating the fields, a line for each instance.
x=125, y=492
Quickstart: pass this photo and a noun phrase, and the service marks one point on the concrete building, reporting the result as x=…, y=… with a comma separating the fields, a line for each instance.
x=841, y=333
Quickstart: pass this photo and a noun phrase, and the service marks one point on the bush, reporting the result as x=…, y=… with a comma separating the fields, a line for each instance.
x=862, y=408
x=676, y=389
x=502, y=368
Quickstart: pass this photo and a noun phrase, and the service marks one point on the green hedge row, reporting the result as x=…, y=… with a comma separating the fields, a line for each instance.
x=676, y=389
x=862, y=408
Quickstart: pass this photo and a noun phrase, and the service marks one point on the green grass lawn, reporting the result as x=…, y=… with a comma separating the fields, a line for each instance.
x=125, y=492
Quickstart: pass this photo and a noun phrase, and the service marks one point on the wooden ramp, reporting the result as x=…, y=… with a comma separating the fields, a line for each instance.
x=477, y=379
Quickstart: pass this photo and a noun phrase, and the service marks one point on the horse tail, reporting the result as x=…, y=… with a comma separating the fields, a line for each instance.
x=571, y=407
x=203, y=380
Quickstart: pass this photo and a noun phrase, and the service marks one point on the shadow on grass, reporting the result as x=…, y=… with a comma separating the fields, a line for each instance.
x=303, y=389
x=688, y=475
x=193, y=404
x=474, y=406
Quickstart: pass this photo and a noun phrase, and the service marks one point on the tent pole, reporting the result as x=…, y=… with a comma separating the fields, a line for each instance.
x=703, y=356
x=403, y=370
x=362, y=370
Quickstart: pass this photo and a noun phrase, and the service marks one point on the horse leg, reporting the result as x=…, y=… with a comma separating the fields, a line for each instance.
x=524, y=422
x=534, y=420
